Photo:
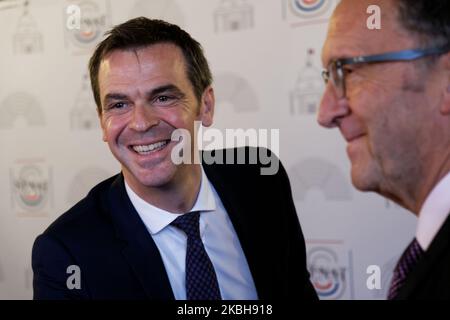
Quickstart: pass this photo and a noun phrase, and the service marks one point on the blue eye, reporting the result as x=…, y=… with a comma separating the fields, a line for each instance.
x=118, y=105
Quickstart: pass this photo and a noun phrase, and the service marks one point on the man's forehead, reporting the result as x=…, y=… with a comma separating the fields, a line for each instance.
x=152, y=61
x=134, y=57
x=349, y=34
x=145, y=68
x=354, y=8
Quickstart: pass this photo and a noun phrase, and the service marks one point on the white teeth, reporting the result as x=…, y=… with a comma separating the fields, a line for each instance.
x=150, y=147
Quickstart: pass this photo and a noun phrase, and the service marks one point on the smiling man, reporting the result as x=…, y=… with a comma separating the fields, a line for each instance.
x=388, y=92
x=145, y=95
x=159, y=230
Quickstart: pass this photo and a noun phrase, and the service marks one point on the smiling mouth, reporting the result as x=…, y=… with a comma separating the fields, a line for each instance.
x=150, y=148
x=353, y=138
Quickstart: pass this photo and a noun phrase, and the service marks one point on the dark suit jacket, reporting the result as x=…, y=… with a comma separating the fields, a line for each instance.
x=104, y=235
x=430, y=279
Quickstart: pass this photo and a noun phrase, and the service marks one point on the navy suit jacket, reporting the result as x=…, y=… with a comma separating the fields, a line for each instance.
x=104, y=236
x=430, y=279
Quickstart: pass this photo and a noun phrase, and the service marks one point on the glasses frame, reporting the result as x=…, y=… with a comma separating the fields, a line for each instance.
x=338, y=77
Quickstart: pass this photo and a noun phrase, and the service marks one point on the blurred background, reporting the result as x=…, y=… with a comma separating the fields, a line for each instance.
x=265, y=58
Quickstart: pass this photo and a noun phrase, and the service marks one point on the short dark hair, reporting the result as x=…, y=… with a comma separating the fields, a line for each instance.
x=141, y=32
x=427, y=19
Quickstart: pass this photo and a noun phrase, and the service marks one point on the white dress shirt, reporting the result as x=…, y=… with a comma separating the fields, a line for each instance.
x=434, y=212
x=218, y=236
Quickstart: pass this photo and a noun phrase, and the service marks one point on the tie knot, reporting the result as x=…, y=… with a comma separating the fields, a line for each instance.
x=189, y=223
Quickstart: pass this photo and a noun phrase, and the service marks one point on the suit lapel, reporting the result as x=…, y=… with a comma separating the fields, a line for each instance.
x=139, y=249
x=421, y=273
x=238, y=207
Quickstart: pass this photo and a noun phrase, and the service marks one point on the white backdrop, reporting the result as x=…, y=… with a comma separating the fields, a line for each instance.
x=265, y=57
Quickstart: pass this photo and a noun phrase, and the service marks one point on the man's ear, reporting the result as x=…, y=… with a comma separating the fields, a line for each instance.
x=445, y=108
x=207, y=107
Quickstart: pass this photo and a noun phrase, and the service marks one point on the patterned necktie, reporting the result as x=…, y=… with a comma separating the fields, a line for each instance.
x=406, y=263
x=201, y=280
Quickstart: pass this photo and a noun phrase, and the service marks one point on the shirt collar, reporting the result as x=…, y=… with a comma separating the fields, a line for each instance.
x=157, y=219
x=433, y=213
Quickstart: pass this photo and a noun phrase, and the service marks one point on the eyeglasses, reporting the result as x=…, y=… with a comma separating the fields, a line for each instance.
x=336, y=71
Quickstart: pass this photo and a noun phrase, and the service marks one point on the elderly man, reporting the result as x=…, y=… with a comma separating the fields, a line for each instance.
x=161, y=230
x=388, y=92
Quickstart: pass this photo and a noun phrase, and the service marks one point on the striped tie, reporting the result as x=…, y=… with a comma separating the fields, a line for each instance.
x=406, y=263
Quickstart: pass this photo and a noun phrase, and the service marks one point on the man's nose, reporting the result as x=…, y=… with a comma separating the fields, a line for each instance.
x=331, y=108
x=143, y=118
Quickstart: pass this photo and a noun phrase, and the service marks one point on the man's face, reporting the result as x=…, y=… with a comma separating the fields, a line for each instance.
x=145, y=96
x=383, y=116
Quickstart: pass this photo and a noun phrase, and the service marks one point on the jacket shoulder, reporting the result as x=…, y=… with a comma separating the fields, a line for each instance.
x=242, y=161
x=87, y=214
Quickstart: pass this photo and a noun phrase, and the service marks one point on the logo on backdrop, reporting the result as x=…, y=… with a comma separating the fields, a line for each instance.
x=31, y=187
x=94, y=21
x=387, y=271
x=83, y=115
x=330, y=266
x=21, y=105
x=306, y=12
x=168, y=10
x=309, y=8
x=233, y=15
x=27, y=39
x=321, y=175
x=236, y=91
x=84, y=181
x=307, y=93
